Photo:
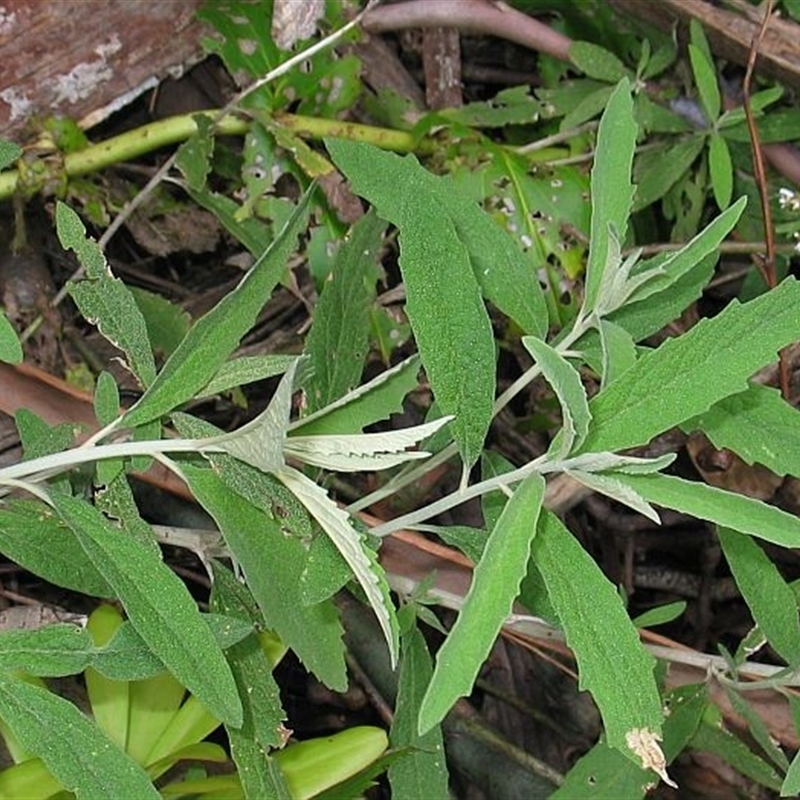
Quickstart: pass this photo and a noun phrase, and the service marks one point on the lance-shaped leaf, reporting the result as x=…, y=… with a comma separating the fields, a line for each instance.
x=105, y=300
x=336, y=523
x=73, y=748
x=364, y=451
x=495, y=584
x=605, y=643
x=685, y=376
x=612, y=487
x=212, y=338
x=443, y=295
x=567, y=385
x=158, y=605
x=612, y=191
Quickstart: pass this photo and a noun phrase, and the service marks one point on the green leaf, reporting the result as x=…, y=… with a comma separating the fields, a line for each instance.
x=605, y=642
x=247, y=369
x=10, y=348
x=512, y=106
x=9, y=153
x=720, y=167
x=618, y=349
x=714, y=739
x=567, y=385
x=692, y=372
x=158, y=605
x=656, y=171
x=597, y=62
x=716, y=505
x=768, y=596
x=587, y=108
x=272, y=564
x=660, y=615
x=667, y=271
x=495, y=585
x=167, y=323
x=370, y=403
x=604, y=773
x=423, y=772
x=612, y=192
x=338, y=343
x=72, y=747
x=106, y=398
x=105, y=300
x=443, y=299
x=213, y=337
x=51, y=651
x=706, y=79
x=261, y=700
x=751, y=423
x=35, y=538
x=194, y=155
x=336, y=523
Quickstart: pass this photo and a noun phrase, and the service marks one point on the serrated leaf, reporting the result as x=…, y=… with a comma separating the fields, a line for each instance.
x=423, y=772
x=158, y=605
x=495, y=585
x=566, y=383
x=769, y=598
x=598, y=630
x=10, y=348
x=364, y=451
x=336, y=523
x=263, y=714
x=512, y=106
x=716, y=505
x=720, y=167
x=105, y=300
x=597, y=62
x=338, y=342
x=73, y=748
x=690, y=373
x=272, y=563
x=213, y=337
x=706, y=80
x=752, y=423
x=372, y=402
x=612, y=191
x=443, y=299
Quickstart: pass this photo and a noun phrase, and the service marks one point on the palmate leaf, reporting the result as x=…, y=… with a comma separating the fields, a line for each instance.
x=686, y=375
x=487, y=605
x=336, y=523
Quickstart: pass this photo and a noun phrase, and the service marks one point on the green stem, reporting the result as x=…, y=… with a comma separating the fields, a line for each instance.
x=164, y=133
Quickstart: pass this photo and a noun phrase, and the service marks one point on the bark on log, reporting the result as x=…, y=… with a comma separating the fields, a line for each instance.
x=87, y=58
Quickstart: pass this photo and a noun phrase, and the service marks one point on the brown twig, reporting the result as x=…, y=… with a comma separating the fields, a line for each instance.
x=767, y=266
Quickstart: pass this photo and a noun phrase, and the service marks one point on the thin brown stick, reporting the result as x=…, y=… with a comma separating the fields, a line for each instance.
x=767, y=265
